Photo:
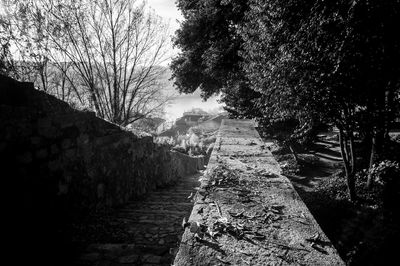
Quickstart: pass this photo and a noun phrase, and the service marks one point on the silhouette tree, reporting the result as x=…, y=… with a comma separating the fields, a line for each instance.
x=209, y=58
x=297, y=62
x=327, y=59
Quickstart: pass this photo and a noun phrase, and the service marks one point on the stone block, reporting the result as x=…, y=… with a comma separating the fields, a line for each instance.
x=130, y=259
x=45, y=128
x=152, y=259
x=54, y=165
x=3, y=146
x=41, y=154
x=66, y=143
x=62, y=188
x=90, y=257
x=54, y=149
x=71, y=153
x=100, y=191
x=36, y=141
x=71, y=132
x=25, y=157
x=83, y=139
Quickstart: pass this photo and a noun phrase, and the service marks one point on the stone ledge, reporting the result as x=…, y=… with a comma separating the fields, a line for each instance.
x=247, y=213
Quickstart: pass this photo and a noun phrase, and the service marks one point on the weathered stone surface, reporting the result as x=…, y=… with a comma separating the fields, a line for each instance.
x=247, y=213
x=90, y=257
x=128, y=259
x=25, y=157
x=150, y=227
x=60, y=164
x=152, y=259
x=105, y=164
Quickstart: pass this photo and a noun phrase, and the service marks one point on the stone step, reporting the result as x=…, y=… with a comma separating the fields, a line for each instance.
x=181, y=195
x=160, y=208
x=137, y=229
x=153, y=226
x=117, y=254
x=166, y=221
x=187, y=185
x=159, y=218
x=134, y=212
x=175, y=193
x=158, y=203
x=181, y=186
x=169, y=198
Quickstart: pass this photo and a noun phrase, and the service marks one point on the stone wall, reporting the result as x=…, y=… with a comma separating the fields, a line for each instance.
x=58, y=163
x=247, y=213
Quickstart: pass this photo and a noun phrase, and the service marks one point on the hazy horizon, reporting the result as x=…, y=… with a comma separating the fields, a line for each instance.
x=185, y=102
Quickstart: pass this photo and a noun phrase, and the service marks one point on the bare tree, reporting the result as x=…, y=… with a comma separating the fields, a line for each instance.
x=116, y=48
x=102, y=54
x=27, y=53
x=23, y=25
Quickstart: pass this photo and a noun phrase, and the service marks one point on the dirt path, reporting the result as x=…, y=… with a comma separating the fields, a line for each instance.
x=326, y=160
x=151, y=229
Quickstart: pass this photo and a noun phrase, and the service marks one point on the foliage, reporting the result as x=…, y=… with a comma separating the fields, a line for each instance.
x=314, y=60
x=359, y=232
x=209, y=58
x=296, y=63
x=209, y=45
x=384, y=171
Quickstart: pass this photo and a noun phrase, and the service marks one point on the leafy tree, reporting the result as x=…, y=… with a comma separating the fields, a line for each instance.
x=209, y=58
x=297, y=63
x=328, y=60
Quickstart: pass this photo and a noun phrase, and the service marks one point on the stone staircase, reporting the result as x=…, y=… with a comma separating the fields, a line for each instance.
x=153, y=227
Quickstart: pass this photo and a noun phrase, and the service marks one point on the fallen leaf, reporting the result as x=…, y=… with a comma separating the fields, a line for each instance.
x=222, y=260
x=314, y=238
x=318, y=248
x=236, y=215
x=184, y=223
x=194, y=227
x=223, y=220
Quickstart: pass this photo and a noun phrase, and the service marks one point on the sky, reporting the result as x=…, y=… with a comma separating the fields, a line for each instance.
x=168, y=10
x=170, y=13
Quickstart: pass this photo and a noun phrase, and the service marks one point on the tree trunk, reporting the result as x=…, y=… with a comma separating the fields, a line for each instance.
x=378, y=139
x=94, y=100
x=371, y=161
x=348, y=161
x=293, y=153
x=351, y=186
x=351, y=178
x=389, y=110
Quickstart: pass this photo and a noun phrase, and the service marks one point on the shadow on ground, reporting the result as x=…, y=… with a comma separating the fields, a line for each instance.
x=143, y=232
